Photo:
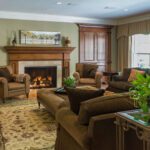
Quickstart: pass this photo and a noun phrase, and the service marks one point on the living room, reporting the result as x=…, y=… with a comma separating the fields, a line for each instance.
x=103, y=40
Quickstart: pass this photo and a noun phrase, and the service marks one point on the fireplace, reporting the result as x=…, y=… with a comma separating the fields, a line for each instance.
x=42, y=76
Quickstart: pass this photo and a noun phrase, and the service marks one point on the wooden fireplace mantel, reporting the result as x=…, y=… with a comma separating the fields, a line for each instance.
x=41, y=53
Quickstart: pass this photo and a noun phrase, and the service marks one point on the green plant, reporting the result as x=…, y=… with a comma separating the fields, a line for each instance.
x=69, y=82
x=140, y=92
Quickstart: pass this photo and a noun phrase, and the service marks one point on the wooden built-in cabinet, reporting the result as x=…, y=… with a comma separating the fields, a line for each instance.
x=95, y=46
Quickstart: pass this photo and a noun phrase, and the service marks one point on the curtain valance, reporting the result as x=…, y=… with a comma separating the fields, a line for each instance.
x=142, y=27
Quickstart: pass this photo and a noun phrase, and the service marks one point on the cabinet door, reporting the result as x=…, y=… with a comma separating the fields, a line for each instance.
x=102, y=50
x=95, y=46
x=87, y=46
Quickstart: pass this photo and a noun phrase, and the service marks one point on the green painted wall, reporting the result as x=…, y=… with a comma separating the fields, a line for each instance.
x=66, y=29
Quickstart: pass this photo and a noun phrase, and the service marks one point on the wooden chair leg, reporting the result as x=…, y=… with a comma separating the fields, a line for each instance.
x=39, y=104
x=27, y=95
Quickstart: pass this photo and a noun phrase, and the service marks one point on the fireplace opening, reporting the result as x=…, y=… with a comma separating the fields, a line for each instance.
x=43, y=76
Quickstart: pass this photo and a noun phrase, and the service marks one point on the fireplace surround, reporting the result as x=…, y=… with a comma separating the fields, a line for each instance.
x=42, y=55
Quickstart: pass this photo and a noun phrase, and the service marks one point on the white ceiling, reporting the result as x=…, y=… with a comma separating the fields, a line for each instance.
x=93, y=9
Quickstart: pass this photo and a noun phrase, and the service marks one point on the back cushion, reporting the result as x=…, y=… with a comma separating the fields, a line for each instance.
x=78, y=95
x=89, y=70
x=126, y=73
x=4, y=72
x=104, y=105
x=79, y=69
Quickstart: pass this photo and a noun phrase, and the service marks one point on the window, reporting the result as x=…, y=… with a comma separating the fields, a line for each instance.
x=140, y=51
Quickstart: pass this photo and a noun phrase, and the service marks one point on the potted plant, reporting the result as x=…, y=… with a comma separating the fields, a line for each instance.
x=69, y=82
x=140, y=92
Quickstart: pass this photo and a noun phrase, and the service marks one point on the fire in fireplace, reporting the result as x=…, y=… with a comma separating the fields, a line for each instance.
x=42, y=77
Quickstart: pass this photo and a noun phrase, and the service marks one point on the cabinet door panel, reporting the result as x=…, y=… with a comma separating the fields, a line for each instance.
x=89, y=50
x=102, y=49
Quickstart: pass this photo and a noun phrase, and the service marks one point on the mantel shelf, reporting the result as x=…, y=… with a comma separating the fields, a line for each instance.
x=38, y=49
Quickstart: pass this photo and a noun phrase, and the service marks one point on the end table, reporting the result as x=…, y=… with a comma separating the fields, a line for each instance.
x=126, y=121
x=110, y=74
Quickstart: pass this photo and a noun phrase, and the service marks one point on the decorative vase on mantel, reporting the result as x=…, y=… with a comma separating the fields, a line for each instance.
x=67, y=42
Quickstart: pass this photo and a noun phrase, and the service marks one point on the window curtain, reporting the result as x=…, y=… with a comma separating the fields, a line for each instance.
x=124, y=33
x=123, y=43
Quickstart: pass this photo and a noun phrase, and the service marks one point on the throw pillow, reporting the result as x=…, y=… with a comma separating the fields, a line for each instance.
x=76, y=96
x=6, y=74
x=134, y=73
x=92, y=73
x=87, y=68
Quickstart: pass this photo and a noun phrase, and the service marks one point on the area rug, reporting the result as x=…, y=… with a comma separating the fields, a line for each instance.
x=25, y=127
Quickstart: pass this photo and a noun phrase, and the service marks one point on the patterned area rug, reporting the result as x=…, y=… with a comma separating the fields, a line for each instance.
x=25, y=127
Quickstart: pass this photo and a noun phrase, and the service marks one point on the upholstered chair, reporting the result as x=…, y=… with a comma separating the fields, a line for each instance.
x=87, y=74
x=13, y=84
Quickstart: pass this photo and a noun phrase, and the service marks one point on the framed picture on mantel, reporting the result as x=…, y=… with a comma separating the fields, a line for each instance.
x=40, y=37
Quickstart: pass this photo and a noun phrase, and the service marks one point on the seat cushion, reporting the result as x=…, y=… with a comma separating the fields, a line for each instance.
x=87, y=81
x=15, y=86
x=78, y=95
x=123, y=85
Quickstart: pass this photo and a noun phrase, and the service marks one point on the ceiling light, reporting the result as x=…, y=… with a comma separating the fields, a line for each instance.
x=69, y=3
x=59, y=3
x=125, y=9
x=109, y=7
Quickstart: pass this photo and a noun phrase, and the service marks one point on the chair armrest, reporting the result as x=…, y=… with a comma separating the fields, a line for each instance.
x=21, y=77
x=3, y=87
x=3, y=80
x=76, y=75
x=69, y=121
x=98, y=77
x=102, y=131
x=99, y=120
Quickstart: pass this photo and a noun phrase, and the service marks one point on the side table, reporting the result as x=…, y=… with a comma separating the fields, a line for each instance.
x=110, y=74
x=124, y=122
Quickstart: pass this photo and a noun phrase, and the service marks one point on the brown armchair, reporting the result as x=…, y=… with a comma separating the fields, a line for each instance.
x=13, y=84
x=87, y=74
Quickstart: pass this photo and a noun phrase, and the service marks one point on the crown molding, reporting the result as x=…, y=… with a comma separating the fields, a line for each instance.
x=54, y=18
x=133, y=19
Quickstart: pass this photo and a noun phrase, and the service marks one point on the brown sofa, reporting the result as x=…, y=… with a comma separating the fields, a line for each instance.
x=19, y=84
x=87, y=74
x=120, y=83
x=94, y=127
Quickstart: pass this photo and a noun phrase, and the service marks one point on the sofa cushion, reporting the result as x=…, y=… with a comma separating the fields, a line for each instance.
x=4, y=72
x=104, y=105
x=15, y=86
x=123, y=85
x=76, y=96
x=133, y=74
x=87, y=81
